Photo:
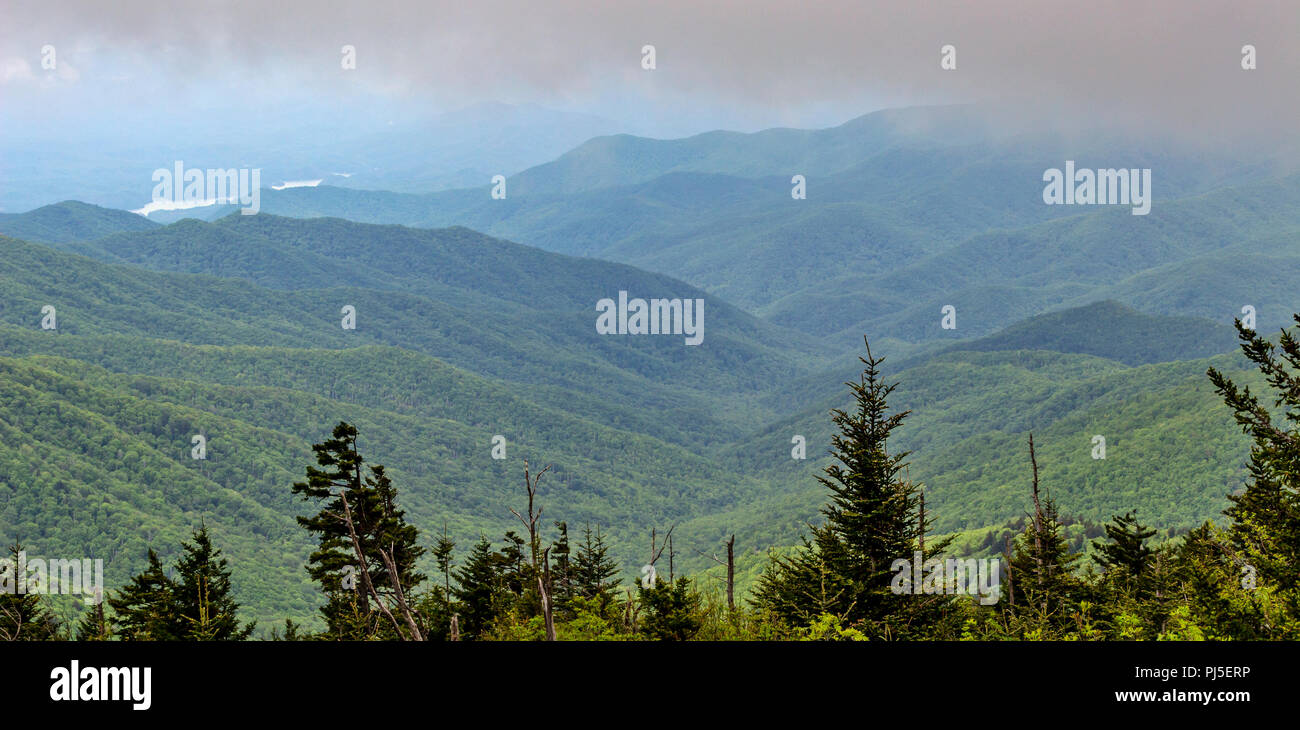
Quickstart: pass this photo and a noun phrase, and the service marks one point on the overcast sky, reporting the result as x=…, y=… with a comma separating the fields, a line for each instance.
x=1171, y=65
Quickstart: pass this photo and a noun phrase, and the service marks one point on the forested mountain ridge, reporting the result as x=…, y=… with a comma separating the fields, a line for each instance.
x=1070, y=324
x=188, y=354
x=71, y=221
x=244, y=379
x=552, y=341
x=905, y=211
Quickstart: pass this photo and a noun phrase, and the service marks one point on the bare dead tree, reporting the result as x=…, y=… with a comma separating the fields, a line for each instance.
x=544, y=586
x=921, y=526
x=455, y=627
x=1038, y=515
x=731, y=573
x=13, y=618
x=1011, y=581
x=540, y=560
x=672, y=557
x=657, y=551
x=730, y=564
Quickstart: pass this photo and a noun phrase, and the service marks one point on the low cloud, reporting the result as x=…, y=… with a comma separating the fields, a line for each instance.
x=1170, y=65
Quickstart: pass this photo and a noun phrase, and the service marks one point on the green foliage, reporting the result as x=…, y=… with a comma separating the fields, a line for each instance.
x=365, y=545
x=1126, y=548
x=874, y=518
x=23, y=616
x=465, y=336
x=670, y=610
x=71, y=221
x=195, y=605
x=478, y=591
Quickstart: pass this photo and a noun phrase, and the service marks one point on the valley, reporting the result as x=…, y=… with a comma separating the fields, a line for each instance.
x=474, y=333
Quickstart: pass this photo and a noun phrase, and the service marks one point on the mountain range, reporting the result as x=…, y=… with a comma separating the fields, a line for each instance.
x=475, y=318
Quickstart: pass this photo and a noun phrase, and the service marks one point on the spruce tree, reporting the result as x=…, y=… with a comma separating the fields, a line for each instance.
x=360, y=514
x=143, y=608
x=1041, y=591
x=478, y=589
x=874, y=518
x=1266, y=516
x=562, y=585
x=437, y=605
x=23, y=616
x=1125, y=548
x=442, y=551
x=203, y=607
x=671, y=610
x=1040, y=573
x=594, y=571
x=514, y=573
x=94, y=624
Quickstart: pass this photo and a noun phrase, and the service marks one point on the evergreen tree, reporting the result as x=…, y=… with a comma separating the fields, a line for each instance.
x=1209, y=611
x=94, y=624
x=594, y=572
x=350, y=617
x=1041, y=591
x=875, y=517
x=671, y=610
x=562, y=585
x=1266, y=516
x=442, y=551
x=292, y=632
x=23, y=617
x=514, y=573
x=478, y=589
x=1126, y=548
x=360, y=515
x=203, y=607
x=437, y=605
x=197, y=605
x=1040, y=573
x=143, y=608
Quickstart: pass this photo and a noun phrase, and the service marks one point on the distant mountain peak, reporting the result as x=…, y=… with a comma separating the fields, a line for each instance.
x=71, y=220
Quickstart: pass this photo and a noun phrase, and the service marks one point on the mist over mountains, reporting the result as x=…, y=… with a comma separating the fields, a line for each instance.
x=475, y=319
x=387, y=147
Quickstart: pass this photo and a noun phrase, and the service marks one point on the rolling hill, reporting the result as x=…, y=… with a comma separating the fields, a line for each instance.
x=1072, y=323
x=99, y=414
x=907, y=211
x=71, y=221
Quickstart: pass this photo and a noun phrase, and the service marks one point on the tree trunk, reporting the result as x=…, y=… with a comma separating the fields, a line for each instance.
x=544, y=585
x=731, y=574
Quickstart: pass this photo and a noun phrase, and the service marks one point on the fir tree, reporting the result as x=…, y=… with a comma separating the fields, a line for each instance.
x=94, y=625
x=671, y=610
x=364, y=539
x=23, y=617
x=874, y=518
x=437, y=605
x=203, y=607
x=143, y=609
x=478, y=588
x=594, y=572
x=1042, y=590
x=292, y=632
x=442, y=551
x=514, y=573
x=1126, y=548
x=562, y=585
x=1266, y=516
